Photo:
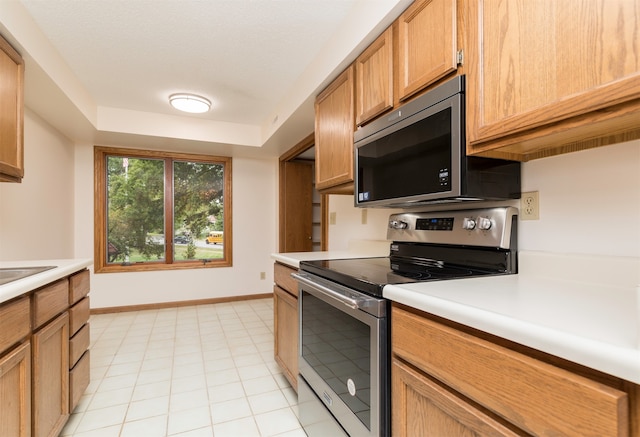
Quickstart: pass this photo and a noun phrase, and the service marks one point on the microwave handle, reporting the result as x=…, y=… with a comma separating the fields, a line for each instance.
x=351, y=303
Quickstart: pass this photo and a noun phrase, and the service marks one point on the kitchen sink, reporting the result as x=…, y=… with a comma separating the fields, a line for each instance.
x=10, y=274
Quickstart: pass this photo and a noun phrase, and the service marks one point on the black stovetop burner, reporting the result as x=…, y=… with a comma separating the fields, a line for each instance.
x=431, y=247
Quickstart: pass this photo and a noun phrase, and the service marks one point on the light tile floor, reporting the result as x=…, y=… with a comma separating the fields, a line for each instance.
x=205, y=370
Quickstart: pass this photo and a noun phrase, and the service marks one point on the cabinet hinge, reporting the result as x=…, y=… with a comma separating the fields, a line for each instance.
x=460, y=57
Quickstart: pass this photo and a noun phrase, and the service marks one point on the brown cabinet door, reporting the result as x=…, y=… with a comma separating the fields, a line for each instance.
x=539, y=63
x=374, y=78
x=427, y=44
x=285, y=307
x=51, y=377
x=334, y=126
x=11, y=114
x=424, y=408
x=15, y=392
x=297, y=213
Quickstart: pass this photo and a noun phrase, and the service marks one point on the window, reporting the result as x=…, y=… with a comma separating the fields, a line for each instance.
x=143, y=196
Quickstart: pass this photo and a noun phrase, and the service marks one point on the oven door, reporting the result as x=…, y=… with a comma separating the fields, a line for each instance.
x=344, y=357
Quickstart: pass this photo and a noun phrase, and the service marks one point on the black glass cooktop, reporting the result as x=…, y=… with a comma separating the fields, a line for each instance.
x=370, y=275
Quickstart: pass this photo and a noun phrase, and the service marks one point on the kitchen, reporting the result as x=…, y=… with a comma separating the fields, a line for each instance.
x=589, y=204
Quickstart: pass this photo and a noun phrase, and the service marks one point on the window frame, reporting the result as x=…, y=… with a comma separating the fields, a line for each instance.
x=101, y=264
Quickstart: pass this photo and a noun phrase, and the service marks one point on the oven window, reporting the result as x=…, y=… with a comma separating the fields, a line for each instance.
x=411, y=161
x=337, y=347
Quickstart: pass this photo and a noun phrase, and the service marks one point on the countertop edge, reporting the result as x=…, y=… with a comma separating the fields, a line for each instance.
x=64, y=267
x=611, y=359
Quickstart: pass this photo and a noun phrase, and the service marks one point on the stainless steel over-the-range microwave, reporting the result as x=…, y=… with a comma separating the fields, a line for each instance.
x=416, y=155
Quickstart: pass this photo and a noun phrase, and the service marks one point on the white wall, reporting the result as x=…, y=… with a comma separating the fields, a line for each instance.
x=37, y=215
x=254, y=239
x=589, y=204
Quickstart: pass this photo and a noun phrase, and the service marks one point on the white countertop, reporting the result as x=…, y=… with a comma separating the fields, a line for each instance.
x=64, y=267
x=585, y=309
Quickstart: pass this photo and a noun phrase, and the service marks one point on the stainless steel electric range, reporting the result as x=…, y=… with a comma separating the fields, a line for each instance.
x=345, y=353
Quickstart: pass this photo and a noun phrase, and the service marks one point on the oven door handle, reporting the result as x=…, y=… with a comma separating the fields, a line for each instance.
x=351, y=303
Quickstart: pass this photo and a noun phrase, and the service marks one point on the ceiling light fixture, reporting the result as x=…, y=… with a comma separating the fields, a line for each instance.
x=189, y=103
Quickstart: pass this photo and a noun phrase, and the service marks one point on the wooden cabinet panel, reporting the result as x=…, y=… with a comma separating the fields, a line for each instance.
x=561, y=75
x=535, y=396
x=78, y=344
x=424, y=408
x=285, y=307
x=78, y=286
x=427, y=44
x=78, y=315
x=282, y=277
x=15, y=392
x=334, y=126
x=51, y=377
x=374, y=78
x=50, y=301
x=79, y=378
x=15, y=322
x=11, y=114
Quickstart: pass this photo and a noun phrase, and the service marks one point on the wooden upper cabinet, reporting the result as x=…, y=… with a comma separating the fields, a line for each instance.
x=374, y=78
x=11, y=114
x=552, y=76
x=427, y=44
x=334, y=126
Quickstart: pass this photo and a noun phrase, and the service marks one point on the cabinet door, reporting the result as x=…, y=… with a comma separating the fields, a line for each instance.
x=374, y=78
x=15, y=392
x=427, y=44
x=334, y=126
x=423, y=408
x=51, y=377
x=285, y=308
x=11, y=114
x=548, y=71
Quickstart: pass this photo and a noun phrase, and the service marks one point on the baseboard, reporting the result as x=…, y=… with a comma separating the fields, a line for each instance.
x=184, y=303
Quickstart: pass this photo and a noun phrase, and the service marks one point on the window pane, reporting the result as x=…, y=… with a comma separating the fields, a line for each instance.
x=135, y=210
x=198, y=193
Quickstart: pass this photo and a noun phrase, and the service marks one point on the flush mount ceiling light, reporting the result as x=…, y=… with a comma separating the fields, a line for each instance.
x=189, y=103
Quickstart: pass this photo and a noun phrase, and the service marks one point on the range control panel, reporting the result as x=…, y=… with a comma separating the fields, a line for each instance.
x=487, y=227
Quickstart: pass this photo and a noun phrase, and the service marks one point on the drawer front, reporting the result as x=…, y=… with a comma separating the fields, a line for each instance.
x=78, y=344
x=535, y=396
x=50, y=301
x=78, y=286
x=15, y=322
x=78, y=315
x=78, y=380
x=282, y=277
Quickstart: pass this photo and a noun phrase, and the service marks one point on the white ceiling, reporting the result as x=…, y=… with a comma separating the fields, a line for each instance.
x=115, y=62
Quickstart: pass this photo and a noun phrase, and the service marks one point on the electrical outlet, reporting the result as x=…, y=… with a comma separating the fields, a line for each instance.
x=364, y=216
x=529, y=206
x=263, y=275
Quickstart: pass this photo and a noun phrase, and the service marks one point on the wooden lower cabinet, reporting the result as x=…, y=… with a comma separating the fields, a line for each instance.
x=424, y=408
x=15, y=392
x=448, y=379
x=285, y=309
x=44, y=356
x=51, y=377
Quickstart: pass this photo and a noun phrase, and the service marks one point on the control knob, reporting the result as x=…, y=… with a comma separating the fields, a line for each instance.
x=468, y=224
x=484, y=223
x=398, y=224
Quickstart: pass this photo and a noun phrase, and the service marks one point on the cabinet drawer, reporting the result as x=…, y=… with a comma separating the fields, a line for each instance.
x=78, y=380
x=78, y=315
x=50, y=301
x=282, y=277
x=539, y=398
x=78, y=344
x=78, y=286
x=15, y=322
